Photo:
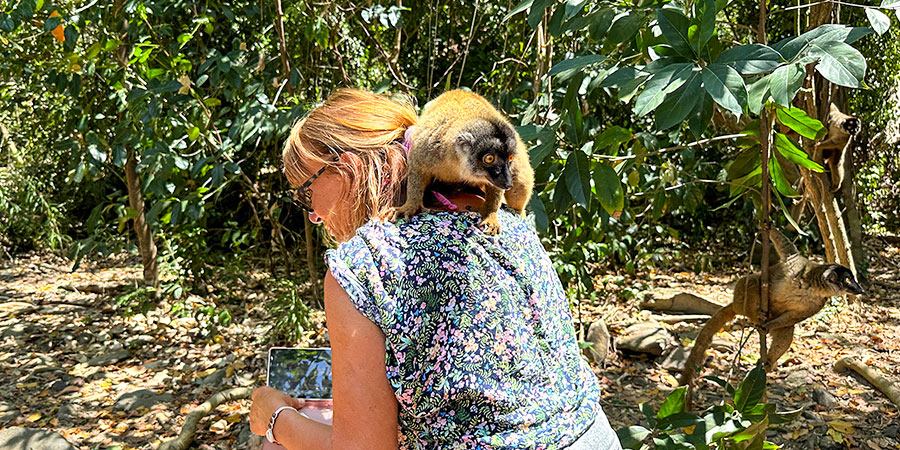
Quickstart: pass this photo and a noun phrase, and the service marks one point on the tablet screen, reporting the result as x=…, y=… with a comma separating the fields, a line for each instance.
x=301, y=372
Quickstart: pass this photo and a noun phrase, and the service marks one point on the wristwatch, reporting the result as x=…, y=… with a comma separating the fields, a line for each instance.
x=270, y=435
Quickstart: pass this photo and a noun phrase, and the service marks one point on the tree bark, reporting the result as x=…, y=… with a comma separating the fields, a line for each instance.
x=146, y=246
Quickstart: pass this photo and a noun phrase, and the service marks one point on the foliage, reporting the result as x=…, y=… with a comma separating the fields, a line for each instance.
x=628, y=174
x=740, y=423
x=291, y=313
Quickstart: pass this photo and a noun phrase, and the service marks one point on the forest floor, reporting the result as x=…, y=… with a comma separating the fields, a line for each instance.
x=72, y=362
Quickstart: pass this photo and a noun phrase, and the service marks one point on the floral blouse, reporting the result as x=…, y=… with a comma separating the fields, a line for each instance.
x=481, y=349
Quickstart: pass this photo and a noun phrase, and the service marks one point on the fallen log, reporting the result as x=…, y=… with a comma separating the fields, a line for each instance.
x=193, y=418
x=684, y=303
x=891, y=390
x=679, y=318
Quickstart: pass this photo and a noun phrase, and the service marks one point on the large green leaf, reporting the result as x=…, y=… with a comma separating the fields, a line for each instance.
x=525, y=4
x=890, y=4
x=677, y=105
x=797, y=120
x=793, y=153
x=541, y=221
x=609, y=188
x=707, y=23
x=795, y=47
x=784, y=83
x=621, y=76
x=776, y=172
x=576, y=63
x=577, y=176
x=701, y=115
x=673, y=404
x=879, y=20
x=625, y=26
x=758, y=94
x=668, y=79
x=674, y=26
x=751, y=59
x=612, y=137
x=726, y=86
x=631, y=437
x=751, y=390
x=839, y=63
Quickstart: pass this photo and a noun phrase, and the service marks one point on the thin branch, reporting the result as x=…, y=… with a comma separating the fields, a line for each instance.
x=809, y=5
x=675, y=148
x=468, y=42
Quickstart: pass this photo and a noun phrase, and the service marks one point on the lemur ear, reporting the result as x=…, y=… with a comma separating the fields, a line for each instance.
x=465, y=139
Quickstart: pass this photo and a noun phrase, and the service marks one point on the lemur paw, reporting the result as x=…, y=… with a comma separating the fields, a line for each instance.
x=491, y=225
x=404, y=212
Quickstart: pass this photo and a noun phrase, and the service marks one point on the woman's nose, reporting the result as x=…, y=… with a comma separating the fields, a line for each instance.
x=314, y=218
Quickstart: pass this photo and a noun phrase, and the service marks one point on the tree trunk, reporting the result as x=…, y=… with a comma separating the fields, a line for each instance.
x=829, y=217
x=146, y=246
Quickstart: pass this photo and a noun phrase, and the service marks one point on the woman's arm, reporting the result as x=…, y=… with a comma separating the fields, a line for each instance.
x=365, y=408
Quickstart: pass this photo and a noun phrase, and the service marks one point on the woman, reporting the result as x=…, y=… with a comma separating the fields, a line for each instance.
x=441, y=336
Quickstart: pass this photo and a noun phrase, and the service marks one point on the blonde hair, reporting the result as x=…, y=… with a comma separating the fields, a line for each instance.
x=368, y=128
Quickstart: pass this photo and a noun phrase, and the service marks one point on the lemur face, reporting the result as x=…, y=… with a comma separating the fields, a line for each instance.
x=840, y=279
x=489, y=149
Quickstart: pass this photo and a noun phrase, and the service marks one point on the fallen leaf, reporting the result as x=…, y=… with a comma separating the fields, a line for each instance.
x=34, y=417
x=842, y=426
x=219, y=427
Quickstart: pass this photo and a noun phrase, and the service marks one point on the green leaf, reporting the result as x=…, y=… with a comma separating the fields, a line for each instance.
x=673, y=404
x=620, y=76
x=797, y=120
x=600, y=23
x=577, y=63
x=758, y=94
x=677, y=105
x=784, y=83
x=790, y=219
x=751, y=59
x=780, y=180
x=751, y=390
x=52, y=23
x=625, y=26
x=707, y=25
x=701, y=115
x=612, y=137
x=541, y=221
x=609, y=189
x=193, y=133
x=536, y=13
x=525, y=4
x=71, y=35
x=890, y=4
x=793, y=153
x=839, y=63
x=668, y=79
x=674, y=26
x=726, y=86
x=577, y=176
x=879, y=20
x=795, y=47
x=631, y=437
x=7, y=23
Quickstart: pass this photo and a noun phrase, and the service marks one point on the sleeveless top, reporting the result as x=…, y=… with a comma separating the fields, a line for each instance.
x=480, y=345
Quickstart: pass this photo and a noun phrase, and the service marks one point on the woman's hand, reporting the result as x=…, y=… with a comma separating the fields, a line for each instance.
x=265, y=401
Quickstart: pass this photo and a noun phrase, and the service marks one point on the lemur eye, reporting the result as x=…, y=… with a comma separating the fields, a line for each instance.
x=510, y=158
x=488, y=159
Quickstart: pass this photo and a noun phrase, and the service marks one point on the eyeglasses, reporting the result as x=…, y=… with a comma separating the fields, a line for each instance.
x=302, y=194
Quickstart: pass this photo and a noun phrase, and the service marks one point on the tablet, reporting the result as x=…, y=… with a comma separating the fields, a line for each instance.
x=303, y=373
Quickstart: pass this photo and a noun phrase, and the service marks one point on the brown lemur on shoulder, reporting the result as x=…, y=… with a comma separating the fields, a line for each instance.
x=841, y=128
x=798, y=289
x=461, y=138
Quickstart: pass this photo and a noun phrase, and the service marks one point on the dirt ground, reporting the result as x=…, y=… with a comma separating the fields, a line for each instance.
x=73, y=363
